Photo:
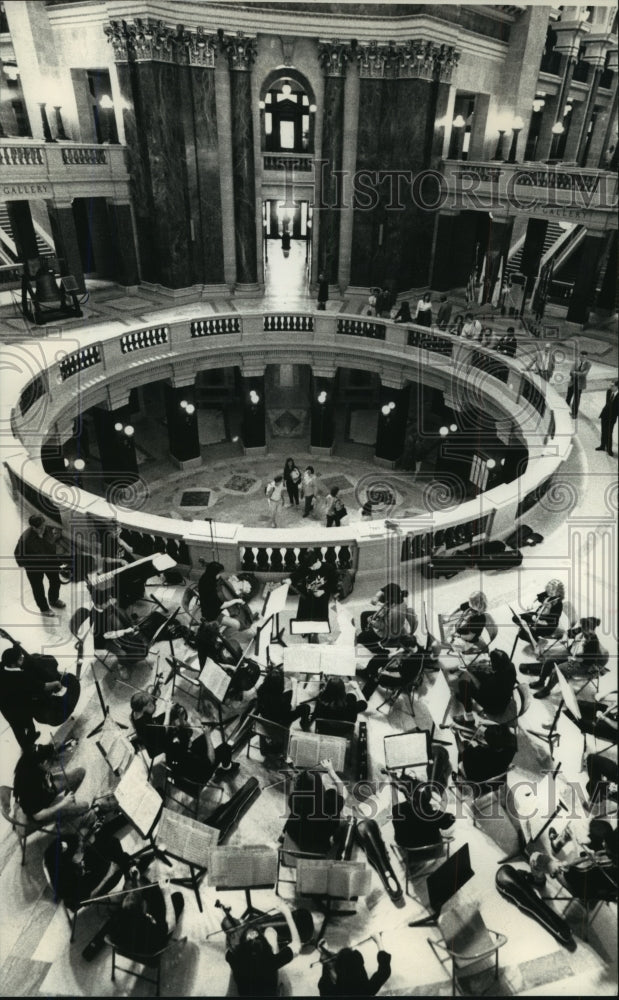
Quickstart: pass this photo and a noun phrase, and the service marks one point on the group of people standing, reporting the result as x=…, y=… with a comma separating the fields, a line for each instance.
x=302, y=485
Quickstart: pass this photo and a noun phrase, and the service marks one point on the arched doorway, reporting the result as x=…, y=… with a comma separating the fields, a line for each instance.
x=287, y=125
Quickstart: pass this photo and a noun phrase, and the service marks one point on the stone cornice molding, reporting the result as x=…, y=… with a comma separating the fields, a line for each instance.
x=414, y=59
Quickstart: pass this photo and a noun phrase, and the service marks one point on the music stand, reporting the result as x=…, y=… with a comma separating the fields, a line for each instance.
x=525, y=627
x=246, y=867
x=330, y=881
x=104, y=708
x=438, y=700
x=569, y=699
x=274, y=604
x=404, y=750
x=443, y=883
x=300, y=627
x=214, y=682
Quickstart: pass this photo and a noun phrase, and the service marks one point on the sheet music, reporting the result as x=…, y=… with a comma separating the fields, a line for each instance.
x=568, y=695
x=299, y=627
x=116, y=749
x=304, y=658
x=162, y=561
x=336, y=879
x=186, y=838
x=339, y=661
x=242, y=867
x=406, y=750
x=215, y=679
x=276, y=601
x=138, y=800
x=308, y=749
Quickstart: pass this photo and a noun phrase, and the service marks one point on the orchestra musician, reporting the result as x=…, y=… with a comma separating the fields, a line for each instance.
x=87, y=863
x=113, y=629
x=583, y=655
x=214, y=604
x=393, y=669
x=316, y=582
x=392, y=619
x=468, y=621
x=486, y=752
x=275, y=705
x=149, y=728
x=148, y=914
x=252, y=957
x=344, y=973
x=543, y=617
x=489, y=682
x=45, y=794
x=315, y=806
x=335, y=703
x=195, y=760
x=417, y=816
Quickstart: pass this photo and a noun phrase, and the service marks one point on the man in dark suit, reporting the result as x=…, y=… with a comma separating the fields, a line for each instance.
x=578, y=382
x=608, y=418
x=36, y=554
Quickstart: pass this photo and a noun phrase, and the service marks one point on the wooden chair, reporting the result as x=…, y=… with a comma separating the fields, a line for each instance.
x=466, y=941
x=147, y=961
x=23, y=828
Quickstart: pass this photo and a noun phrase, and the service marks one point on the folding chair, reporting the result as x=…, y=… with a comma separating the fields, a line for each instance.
x=192, y=789
x=272, y=734
x=147, y=961
x=23, y=828
x=401, y=687
x=466, y=941
x=287, y=856
x=416, y=859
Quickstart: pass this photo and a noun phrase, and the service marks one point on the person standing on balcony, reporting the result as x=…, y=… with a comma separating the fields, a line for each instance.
x=423, y=316
x=323, y=291
x=444, y=313
x=578, y=382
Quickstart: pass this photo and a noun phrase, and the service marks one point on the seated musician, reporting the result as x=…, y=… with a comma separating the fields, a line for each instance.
x=543, y=618
x=392, y=619
x=315, y=806
x=149, y=728
x=44, y=794
x=344, y=973
x=148, y=914
x=195, y=760
x=583, y=655
x=418, y=817
x=489, y=682
x=468, y=620
x=114, y=551
x=591, y=872
x=211, y=644
x=487, y=753
x=334, y=703
x=85, y=864
x=599, y=718
x=113, y=629
x=15, y=700
x=213, y=607
x=603, y=777
x=252, y=957
x=393, y=670
x=274, y=704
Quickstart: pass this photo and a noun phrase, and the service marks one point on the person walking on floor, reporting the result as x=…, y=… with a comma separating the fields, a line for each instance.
x=578, y=382
x=275, y=497
x=308, y=488
x=608, y=418
x=38, y=556
x=292, y=480
x=335, y=509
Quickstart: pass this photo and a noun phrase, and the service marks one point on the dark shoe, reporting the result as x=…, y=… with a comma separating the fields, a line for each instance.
x=543, y=693
x=531, y=669
x=611, y=454
x=601, y=448
x=537, y=685
x=463, y=722
x=48, y=613
x=57, y=604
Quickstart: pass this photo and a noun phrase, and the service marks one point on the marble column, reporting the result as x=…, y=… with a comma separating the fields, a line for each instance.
x=583, y=293
x=116, y=448
x=532, y=251
x=66, y=242
x=182, y=421
x=391, y=426
x=241, y=54
x=442, y=273
x=334, y=58
x=254, y=414
x=607, y=299
x=122, y=239
x=322, y=415
x=349, y=162
x=23, y=229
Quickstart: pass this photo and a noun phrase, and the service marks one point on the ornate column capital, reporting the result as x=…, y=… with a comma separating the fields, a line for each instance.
x=146, y=39
x=570, y=36
x=240, y=50
x=596, y=47
x=413, y=59
x=335, y=55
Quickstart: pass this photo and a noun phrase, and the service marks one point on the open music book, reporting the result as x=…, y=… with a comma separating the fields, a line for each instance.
x=336, y=879
x=186, y=838
x=215, y=680
x=310, y=658
x=115, y=747
x=242, y=867
x=308, y=749
x=406, y=750
x=138, y=800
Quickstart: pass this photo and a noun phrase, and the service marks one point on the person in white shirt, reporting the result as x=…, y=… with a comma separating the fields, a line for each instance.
x=275, y=498
x=471, y=328
x=423, y=316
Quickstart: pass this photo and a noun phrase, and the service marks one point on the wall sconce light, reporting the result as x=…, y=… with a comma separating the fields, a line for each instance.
x=313, y=109
x=129, y=430
x=190, y=409
x=391, y=405
x=459, y=124
x=443, y=431
x=538, y=104
x=79, y=464
x=254, y=398
x=558, y=128
x=502, y=461
x=385, y=410
x=106, y=102
x=286, y=89
x=517, y=127
x=183, y=404
x=491, y=464
x=453, y=428
x=118, y=427
x=322, y=398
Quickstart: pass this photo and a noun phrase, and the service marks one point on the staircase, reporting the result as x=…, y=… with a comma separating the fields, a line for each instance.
x=554, y=232
x=8, y=249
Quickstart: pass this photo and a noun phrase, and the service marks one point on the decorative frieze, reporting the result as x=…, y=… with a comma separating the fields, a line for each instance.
x=147, y=39
x=413, y=59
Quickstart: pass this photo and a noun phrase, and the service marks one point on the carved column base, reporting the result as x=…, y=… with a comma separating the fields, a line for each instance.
x=248, y=290
x=189, y=463
x=321, y=452
x=257, y=452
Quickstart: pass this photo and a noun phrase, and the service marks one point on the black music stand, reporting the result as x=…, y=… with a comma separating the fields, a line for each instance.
x=259, y=876
x=443, y=883
x=274, y=604
x=214, y=682
x=104, y=708
x=326, y=898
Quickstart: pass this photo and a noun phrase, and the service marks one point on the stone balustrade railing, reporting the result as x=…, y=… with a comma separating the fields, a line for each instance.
x=56, y=169
x=47, y=386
